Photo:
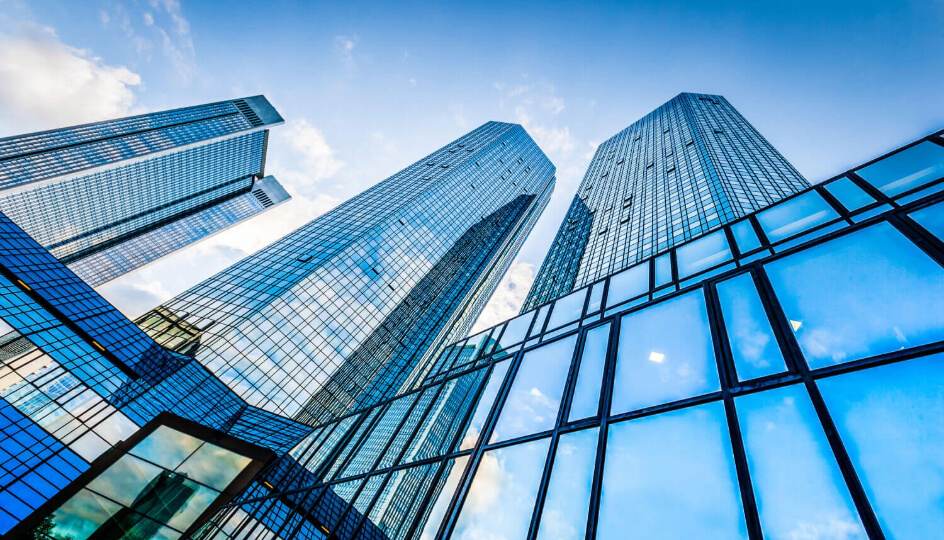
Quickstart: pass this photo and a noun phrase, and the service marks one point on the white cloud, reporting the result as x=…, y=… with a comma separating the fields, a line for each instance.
x=313, y=156
x=344, y=47
x=508, y=297
x=58, y=85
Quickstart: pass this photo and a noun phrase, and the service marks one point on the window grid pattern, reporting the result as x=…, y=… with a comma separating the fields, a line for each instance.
x=683, y=170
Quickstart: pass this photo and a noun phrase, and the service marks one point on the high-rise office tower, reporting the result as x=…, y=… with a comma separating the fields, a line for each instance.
x=343, y=311
x=684, y=169
x=111, y=196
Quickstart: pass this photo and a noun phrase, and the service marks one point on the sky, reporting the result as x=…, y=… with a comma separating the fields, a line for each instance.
x=368, y=88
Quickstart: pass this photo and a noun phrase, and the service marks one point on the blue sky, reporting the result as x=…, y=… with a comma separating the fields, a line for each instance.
x=369, y=88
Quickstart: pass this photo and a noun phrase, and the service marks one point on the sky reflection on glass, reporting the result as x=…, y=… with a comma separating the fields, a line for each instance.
x=889, y=418
x=167, y=447
x=586, y=400
x=859, y=295
x=745, y=236
x=907, y=169
x=535, y=395
x=798, y=214
x=124, y=480
x=567, y=309
x=799, y=490
x=501, y=497
x=82, y=514
x=214, y=466
x=438, y=511
x=752, y=340
x=564, y=516
x=485, y=405
x=516, y=329
x=849, y=194
x=665, y=354
x=709, y=250
x=931, y=218
x=628, y=284
x=671, y=476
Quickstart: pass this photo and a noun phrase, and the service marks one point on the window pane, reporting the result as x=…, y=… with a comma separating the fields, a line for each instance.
x=596, y=298
x=663, y=270
x=125, y=479
x=166, y=447
x=795, y=216
x=907, y=169
x=539, y=320
x=485, y=405
x=931, y=218
x=535, y=395
x=501, y=497
x=628, y=284
x=438, y=511
x=799, y=490
x=889, y=418
x=568, y=493
x=214, y=466
x=671, y=475
x=709, y=250
x=753, y=344
x=745, y=236
x=82, y=514
x=567, y=309
x=849, y=194
x=586, y=400
x=665, y=354
x=516, y=329
x=859, y=295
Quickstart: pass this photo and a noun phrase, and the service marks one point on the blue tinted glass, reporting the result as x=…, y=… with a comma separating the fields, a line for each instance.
x=567, y=309
x=799, y=490
x=866, y=293
x=167, y=447
x=907, y=169
x=745, y=236
x=568, y=493
x=665, y=354
x=709, y=250
x=850, y=195
x=931, y=218
x=453, y=474
x=501, y=497
x=752, y=340
x=535, y=395
x=485, y=405
x=516, y=329
x=539, y=320
x=596, y=298
x=586, y=400
x=671, y=476
x=628, y=284
x=663, y=270
x=889, y=418
x=795, y=216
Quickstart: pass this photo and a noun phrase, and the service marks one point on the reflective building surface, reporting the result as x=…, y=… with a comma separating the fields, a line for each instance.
x=777, y=377
x=111, y=196
x=347, y=309
x=681, y=171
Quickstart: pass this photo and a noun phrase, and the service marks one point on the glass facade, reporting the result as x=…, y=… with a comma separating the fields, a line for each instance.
x=346, y=310
x=111, y=196
x=681, y=171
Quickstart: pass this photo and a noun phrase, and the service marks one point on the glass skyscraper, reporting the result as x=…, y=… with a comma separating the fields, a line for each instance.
x=682, y=170
x=107, y=197
x=343, y=310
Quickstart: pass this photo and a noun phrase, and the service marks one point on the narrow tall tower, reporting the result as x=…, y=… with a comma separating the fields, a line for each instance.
x=341, y=311
x=111, y=196
x=682, y=170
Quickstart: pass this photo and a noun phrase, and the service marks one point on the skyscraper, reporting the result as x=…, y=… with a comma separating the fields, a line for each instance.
x=684, y=169
x=343, y=310
x=109, y=197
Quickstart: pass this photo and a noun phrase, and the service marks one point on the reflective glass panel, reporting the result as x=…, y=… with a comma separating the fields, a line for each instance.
x=745, y=236
x=907, y=169
x=628, y=284
x=485, y=405
x=671, y=476
x=596, y=298
x=795, y=216
x=453, y=474
x=889, y=418
x=567, y=309
x=752, y=340
x=214, y=466
x=534, y=398
x=663, y=269
x=709, y=250
x=849, y=194
x=539, y=320
x=167, y=447
x=125, y=479
x=799, y=490
x=665, y=354
x=568, y=493
x=866, y=293
x=501, y=497
x=516, y=329
x=586, y=400
x=81, y=515
x=931, y=218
